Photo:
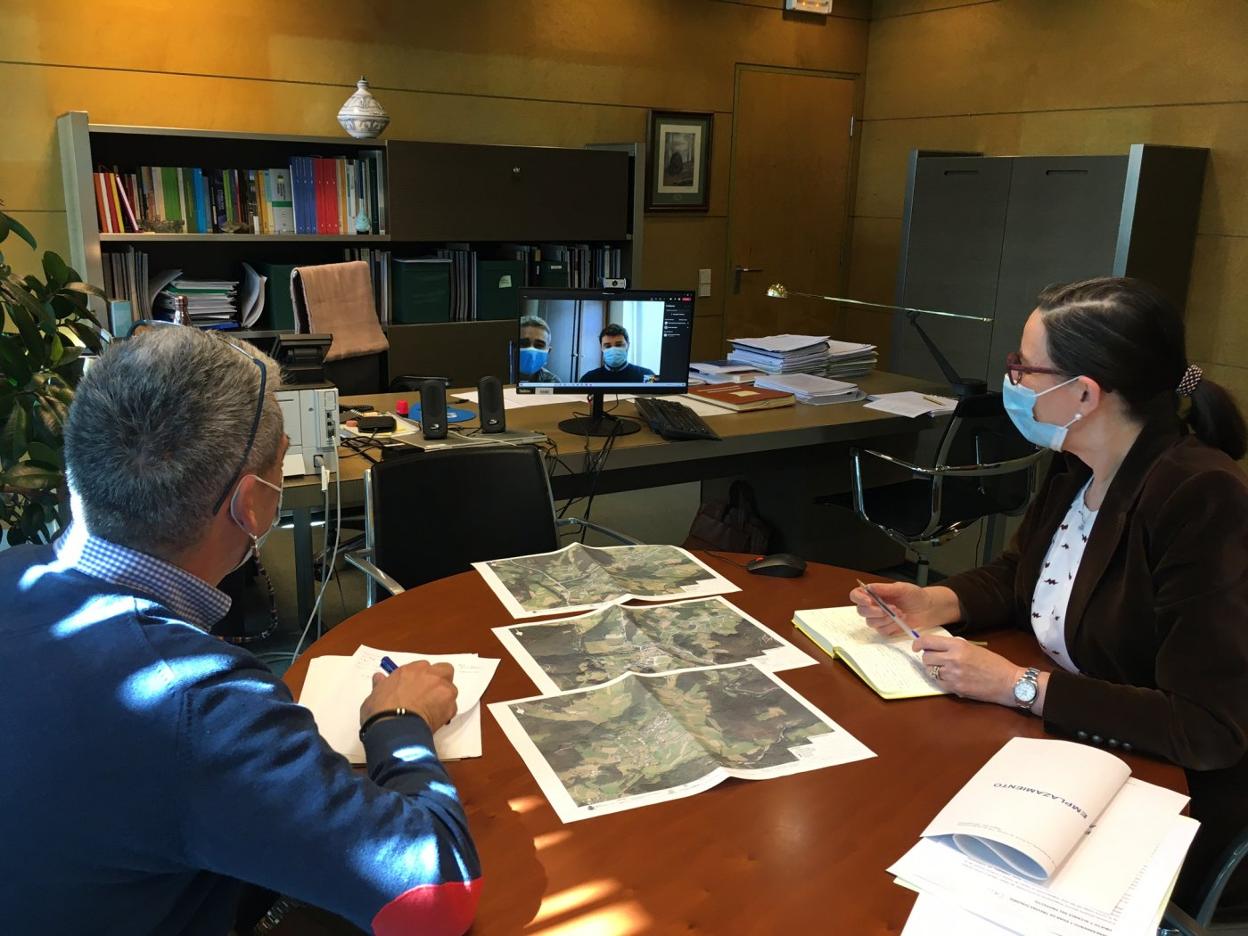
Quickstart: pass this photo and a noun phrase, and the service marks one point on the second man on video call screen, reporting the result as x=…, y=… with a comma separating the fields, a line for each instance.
x=583, y=344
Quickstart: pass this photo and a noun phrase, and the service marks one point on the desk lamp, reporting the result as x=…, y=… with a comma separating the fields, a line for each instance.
x=962, y=387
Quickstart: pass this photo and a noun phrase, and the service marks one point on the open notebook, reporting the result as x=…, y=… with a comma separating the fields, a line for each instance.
x=888, y=666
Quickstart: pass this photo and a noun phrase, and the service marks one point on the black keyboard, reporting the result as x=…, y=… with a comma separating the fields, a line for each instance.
x=673, y=420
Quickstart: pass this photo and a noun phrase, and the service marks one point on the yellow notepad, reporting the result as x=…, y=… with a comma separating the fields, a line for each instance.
x=887, y=666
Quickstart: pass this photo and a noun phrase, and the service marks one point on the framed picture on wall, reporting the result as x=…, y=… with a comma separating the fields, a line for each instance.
x=678, y=161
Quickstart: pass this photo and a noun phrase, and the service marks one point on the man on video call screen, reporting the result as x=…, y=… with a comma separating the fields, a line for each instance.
x=613, y=340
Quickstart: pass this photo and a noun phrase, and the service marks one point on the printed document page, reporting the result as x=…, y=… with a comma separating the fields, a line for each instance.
x=1033, y=908
x=639, y=740
x=580, y=578
x=1031, y=804
x=596, y=647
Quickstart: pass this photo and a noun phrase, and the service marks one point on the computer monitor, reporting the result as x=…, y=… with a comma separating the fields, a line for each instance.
x=601, y=341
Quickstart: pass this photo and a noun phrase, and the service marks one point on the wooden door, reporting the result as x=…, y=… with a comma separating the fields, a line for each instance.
x=789, y=200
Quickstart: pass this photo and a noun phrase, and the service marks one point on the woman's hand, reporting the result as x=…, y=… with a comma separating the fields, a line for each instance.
x=971, y=671
x=917, y=607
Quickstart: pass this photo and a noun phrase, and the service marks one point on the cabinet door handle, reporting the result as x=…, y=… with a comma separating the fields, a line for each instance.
x=736, y=276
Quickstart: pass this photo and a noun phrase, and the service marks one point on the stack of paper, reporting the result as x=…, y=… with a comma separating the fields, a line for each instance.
x=850, y=359
x=723, y=371
x=336, y=687
x=209, y=303
x=782, y=354
x=817, y=391
x=1049, y=837
x=912, y=403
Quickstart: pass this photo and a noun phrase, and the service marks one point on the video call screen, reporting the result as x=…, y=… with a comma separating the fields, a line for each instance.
x=575, y=344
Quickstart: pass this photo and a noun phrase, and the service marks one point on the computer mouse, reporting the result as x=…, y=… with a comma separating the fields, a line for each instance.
x=780, y=565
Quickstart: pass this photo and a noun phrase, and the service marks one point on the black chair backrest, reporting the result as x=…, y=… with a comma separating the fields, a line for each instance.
x=357, y=375
x=435, y=513
x=980, y=432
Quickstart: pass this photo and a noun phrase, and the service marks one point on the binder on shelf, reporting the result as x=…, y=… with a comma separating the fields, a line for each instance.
x=553, y=273
x=498, y=289
x=422, y=290
x=279, y=309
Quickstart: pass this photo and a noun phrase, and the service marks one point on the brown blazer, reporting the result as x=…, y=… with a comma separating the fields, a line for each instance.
x=1157, y=621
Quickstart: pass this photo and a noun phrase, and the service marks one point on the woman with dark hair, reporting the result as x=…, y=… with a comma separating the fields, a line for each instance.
x=1131, y=566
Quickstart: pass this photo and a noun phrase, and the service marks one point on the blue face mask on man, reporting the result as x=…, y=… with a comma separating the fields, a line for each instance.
x=1020, y=404
x=533, y=360
x=615, y=357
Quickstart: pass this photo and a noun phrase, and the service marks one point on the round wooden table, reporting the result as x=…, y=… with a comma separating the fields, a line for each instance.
x=799, y=854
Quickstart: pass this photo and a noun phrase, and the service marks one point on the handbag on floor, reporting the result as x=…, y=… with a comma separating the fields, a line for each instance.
x=734, y=525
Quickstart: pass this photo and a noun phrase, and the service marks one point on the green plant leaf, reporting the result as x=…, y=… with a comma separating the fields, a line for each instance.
x=80, y=287
x=15, y=434
x=9, y=223
x=33, y=523
x=25, y=477
x=32, y=340
x=88, y=333
x=13, y=363
x=55, y=269
x=52, y=413
x=45, y=456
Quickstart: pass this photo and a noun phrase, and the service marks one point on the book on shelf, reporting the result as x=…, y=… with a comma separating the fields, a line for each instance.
x=311, y=195
x=741, y=398
x=885, y=664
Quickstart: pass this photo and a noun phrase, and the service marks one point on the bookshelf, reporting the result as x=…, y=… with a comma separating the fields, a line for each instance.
x=495, y=202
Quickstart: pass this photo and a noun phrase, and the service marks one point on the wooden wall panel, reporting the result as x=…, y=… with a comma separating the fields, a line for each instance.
x=1031, y=77
x=544, y=72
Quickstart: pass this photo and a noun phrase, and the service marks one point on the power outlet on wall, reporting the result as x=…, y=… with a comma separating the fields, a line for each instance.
x=704, y=283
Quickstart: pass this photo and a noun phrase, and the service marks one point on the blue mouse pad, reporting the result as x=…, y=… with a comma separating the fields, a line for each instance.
x=453, y=414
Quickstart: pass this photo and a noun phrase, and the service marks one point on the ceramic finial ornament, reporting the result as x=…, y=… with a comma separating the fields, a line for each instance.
x=362, y=115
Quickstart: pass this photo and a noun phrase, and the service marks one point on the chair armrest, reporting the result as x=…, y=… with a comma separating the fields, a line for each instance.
x=590, y=525
x=362, y=560
x=893, y=460
x=1175, y=922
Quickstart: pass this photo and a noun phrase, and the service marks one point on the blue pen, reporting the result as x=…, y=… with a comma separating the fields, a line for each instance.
x=388, y=665
x=887, y=610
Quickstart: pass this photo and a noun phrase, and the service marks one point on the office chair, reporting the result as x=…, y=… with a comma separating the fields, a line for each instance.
x=983, y=468
x=433, y=514
x=1207, y=922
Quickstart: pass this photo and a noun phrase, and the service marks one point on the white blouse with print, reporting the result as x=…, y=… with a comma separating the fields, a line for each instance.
x=1057, y=578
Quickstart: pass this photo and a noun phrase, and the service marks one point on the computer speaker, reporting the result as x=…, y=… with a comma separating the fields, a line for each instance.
x=433, y=409
x=490, y=403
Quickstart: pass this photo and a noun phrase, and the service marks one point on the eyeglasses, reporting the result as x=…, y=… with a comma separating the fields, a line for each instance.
x=251, y=436
x=1015, y=368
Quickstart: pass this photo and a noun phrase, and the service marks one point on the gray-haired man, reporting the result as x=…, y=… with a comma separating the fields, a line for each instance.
x=161, y=767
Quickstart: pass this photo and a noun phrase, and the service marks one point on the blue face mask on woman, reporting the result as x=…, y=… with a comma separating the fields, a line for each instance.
x=615, y=358
x=533, y=360
x=1020, y=404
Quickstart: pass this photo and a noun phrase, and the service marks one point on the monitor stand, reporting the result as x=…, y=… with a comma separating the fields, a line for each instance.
x=598, y=422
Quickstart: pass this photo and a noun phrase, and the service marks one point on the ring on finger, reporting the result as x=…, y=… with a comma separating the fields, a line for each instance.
x=934, y=671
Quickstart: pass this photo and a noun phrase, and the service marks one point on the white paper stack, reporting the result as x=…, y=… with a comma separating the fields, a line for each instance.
x=336, y=687
x=850, y=359
x=723, y=371
x=782, y=354
x=816, y=391
x=1049, y=838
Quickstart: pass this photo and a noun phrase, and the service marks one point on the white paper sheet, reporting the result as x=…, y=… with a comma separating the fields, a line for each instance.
x=292, y=464
x=336, y=686
x=780, y=344
x=911, y=403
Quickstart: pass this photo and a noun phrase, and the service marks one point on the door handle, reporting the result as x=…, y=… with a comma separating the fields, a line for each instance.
x=736, y=276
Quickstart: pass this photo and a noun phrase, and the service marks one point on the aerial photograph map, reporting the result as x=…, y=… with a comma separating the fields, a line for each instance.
x=596, y=647
x=579, y=577
x=644, y=739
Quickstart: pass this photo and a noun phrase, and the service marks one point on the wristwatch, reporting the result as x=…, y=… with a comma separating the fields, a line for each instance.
x=1026, y=689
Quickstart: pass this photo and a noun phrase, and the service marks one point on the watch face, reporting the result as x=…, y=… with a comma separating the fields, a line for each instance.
x=1025, y=691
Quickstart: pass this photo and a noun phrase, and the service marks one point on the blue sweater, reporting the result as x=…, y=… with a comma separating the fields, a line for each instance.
x=149, y=768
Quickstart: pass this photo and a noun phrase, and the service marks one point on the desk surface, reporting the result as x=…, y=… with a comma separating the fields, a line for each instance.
x=800, y=854
x=742, y=433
